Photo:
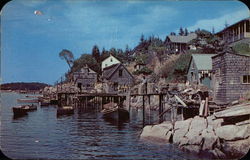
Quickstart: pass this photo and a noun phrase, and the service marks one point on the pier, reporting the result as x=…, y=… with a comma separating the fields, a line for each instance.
x=97, y=100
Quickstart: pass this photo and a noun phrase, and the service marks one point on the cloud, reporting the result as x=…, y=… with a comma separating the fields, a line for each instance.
x=32, y=3
x=116, y=24
x=219, y=23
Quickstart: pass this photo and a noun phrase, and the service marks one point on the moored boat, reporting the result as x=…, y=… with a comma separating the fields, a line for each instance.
x=22, y=110
x=65, y=110
x=117, y=113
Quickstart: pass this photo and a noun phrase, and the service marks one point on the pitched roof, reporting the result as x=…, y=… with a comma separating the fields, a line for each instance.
x=182, y=39
x=85, y=67
x=110, y=70
x=221, y=54
x=203, y=61
x=110, y=56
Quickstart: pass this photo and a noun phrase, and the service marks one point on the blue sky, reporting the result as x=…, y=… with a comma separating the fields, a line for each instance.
x=30, y=43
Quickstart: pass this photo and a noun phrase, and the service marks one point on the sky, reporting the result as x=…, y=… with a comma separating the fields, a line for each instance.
x=33, y=32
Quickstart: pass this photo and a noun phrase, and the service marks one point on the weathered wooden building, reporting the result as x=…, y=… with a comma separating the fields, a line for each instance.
x=200, y=69
x=85, y=79
x=179, y=44
x=236, y=32
x=117, y=78
x=231, y=76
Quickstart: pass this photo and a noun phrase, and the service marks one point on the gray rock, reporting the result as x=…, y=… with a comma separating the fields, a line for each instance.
x=160, y=132
x=197, y=125
x=191, y=148
x=183, y=141
x=195, y=140
x=233, y=132
x=180, y=129
x=218, y=154
x=209, y=139
x=215, y=122
x=236, y=149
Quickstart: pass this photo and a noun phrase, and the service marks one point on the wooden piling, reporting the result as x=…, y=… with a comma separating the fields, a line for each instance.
x=143, y=111
x=160, y=108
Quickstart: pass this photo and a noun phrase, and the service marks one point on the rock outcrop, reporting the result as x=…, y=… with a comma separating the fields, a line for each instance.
x=161, y=132
x=204, y=136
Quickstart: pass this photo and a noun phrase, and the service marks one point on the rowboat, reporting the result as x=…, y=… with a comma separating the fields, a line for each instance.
x=22, y=110
x=117, y=113
x=65, y=110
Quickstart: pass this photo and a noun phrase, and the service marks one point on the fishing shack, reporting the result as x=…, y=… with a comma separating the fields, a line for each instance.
x=200, y=69
x=85, y=78
x=117, y=78
x=231, y=76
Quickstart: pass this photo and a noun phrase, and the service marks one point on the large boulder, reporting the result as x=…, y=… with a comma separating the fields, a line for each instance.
x=214, y=122
x=180, y=130
x=218, y=154
x=162, y=132
x=236, y=149
x=233, y=132
x=191, y=148
x=209, y=139
x=197, y=125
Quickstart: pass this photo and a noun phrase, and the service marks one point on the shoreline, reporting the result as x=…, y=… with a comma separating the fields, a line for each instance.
x=212, y=136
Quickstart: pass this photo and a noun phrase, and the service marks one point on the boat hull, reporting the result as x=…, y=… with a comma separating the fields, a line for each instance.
x=18, y=111
x=65, y=111
x=118, y=114
x=22, y=110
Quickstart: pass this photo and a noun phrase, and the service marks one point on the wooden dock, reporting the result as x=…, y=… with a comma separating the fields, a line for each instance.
x=96, y=101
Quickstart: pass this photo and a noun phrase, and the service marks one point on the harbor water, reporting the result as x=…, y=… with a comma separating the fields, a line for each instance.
x=83, y=135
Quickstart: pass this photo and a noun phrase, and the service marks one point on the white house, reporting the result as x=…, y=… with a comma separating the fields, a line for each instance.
x=109, y=61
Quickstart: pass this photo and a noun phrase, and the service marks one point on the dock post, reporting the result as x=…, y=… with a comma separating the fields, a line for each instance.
x=160, y=108
x=149, y=107
x=143, y=111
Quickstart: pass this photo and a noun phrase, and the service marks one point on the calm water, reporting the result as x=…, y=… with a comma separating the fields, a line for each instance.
x=84, y=135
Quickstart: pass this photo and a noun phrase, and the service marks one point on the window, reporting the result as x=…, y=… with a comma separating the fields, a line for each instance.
x=246, y=79
x=111, y=60
x=106, y=65
x=120, y=73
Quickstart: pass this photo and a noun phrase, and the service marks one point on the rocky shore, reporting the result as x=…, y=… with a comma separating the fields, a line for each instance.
x=220, y=135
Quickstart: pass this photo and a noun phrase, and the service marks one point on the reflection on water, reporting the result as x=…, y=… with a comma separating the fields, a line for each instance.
x=83, y=135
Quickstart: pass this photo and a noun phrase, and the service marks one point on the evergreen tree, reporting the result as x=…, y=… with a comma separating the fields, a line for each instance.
x=96, y=53
x=213, y=30
x=142, y=38
x=172, y=33
x=181, y=32
x=186, y=32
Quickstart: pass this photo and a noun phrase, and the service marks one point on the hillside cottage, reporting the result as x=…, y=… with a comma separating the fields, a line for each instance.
x=231, y=76
x=179, y=44
x=236, y=32
x=85, y=78
x=200, y=69
x=109, y=61
x=117, y=78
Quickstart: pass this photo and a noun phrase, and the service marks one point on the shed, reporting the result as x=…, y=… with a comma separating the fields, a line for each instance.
x=200, y=69
x=85, y=78
x=231, y=76
x=179, y=44
x=117, y=77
